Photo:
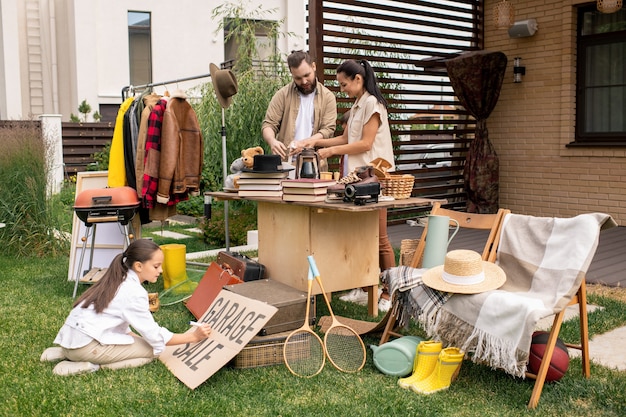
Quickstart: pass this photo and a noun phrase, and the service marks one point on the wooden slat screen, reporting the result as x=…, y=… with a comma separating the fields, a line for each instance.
x=407, y=43
x=81, y=141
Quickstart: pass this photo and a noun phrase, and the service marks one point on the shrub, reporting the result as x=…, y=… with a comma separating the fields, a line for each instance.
x=33, y=221
x=193, y=207
x=238, y=225
x=243, y=120
x=101, y=159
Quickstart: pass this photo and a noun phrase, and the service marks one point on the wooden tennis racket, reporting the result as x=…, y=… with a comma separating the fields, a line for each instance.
x=342, y=344
x=303, y=351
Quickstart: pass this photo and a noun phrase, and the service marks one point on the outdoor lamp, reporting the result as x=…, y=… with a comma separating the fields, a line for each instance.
x=504, y=14
x=518, y=70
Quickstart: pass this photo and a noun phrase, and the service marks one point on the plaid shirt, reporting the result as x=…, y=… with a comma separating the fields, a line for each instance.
x=152, y=160
x=153, y=155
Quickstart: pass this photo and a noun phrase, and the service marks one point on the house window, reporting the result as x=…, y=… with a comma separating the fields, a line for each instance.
x=139, y=48
x=601, y=78
x=250, y=44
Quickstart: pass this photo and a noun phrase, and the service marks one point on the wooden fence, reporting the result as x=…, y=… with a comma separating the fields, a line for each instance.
x=81, y=141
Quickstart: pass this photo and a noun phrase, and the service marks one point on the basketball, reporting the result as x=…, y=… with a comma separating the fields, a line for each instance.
x=560, y=357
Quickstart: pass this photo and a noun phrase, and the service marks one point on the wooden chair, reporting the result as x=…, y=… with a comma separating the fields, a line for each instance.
x=495, y=224
x=580, y=298
x=540, y=378
x=466, y=220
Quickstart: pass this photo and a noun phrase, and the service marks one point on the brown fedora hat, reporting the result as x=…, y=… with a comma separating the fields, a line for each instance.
x=224, y=83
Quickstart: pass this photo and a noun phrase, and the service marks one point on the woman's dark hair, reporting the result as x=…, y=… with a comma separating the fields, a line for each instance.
x=351, y=68
x=103, y=291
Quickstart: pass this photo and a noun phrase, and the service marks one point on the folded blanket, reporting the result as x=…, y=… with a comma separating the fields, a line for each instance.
x=545, y=260
x=411, y=298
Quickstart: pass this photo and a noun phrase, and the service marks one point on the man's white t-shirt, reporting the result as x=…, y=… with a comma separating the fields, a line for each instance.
x=306, y=115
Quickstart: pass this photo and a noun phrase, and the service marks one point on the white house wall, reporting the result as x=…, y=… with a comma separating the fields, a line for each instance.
x=84, y=48
x=10, y=78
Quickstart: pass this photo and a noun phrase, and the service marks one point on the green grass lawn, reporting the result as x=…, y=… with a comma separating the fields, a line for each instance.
x=36, y=298
x=194, y=243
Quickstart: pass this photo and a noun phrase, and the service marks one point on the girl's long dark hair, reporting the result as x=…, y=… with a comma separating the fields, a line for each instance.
x=351, y=68
x=103, y=291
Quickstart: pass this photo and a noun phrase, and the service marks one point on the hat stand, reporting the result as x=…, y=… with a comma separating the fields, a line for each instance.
x=224, y=162
x=223, y=95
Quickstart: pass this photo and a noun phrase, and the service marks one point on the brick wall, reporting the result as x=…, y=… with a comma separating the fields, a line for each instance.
x=535, y=119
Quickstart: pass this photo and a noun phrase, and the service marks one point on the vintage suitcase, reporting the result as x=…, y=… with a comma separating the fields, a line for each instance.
x=212, y=282
x=244, y=267
x=291, y=303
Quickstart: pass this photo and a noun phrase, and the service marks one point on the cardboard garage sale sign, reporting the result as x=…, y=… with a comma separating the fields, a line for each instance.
x=234, y=320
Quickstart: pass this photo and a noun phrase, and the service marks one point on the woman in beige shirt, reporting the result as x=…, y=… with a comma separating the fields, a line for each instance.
x=366, y=137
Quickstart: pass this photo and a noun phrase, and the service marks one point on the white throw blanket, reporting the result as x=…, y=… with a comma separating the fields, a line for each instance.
x=545, y=260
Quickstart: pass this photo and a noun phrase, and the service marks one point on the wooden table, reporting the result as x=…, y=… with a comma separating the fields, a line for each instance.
x=343, y=237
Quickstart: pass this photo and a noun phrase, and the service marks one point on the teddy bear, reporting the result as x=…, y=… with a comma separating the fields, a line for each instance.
x=246, y=160
x=248, y=155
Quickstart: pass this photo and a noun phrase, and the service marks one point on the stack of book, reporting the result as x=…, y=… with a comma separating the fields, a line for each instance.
x=306, y=189
x=261, y=184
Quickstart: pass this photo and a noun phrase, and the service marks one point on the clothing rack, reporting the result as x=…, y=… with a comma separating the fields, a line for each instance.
x=132, y=88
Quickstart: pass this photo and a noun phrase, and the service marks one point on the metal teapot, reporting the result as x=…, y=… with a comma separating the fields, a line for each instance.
x=307, y=164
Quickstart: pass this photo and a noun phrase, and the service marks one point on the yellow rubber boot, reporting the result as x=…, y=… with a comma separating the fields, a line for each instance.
x=426, y=355
x=446, y=370
x=174, y=264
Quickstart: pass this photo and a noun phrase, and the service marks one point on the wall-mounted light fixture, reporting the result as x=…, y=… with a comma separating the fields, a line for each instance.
x=608, y=6
x=518, y=70
x=504, y=14
x=523, y=28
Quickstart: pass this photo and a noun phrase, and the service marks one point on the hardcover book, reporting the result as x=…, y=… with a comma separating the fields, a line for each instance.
x=272, y=181
x=304, y=197
x=304, y=190
x=260, y=193
x=264, y=175
x=260, y=186
x=308, y=183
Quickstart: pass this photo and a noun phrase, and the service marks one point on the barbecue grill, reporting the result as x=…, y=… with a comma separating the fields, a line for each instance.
x=103, y=205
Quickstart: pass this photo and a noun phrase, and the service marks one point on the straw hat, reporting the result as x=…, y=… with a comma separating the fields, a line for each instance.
x=224, y=83
x=464, y=272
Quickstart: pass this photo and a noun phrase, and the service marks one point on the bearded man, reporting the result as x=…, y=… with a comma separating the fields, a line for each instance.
x=303, y=109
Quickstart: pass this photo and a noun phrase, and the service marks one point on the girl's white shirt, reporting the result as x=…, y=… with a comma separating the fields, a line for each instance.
x=128, y=308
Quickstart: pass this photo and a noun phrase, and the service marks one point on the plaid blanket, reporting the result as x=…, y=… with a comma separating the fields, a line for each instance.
x=545, y=260
x=411, y=298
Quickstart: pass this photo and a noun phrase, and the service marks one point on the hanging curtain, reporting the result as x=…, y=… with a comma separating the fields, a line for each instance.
x=476, y=78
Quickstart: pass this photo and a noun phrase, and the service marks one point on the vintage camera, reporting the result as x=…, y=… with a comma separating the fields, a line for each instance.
x=362, y=194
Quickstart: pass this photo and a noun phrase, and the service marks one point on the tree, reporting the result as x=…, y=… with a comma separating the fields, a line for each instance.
x=85, y=109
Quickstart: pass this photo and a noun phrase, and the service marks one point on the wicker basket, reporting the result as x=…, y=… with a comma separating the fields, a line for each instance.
x=407, y=250
x=397, y=186
x=262, y=351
